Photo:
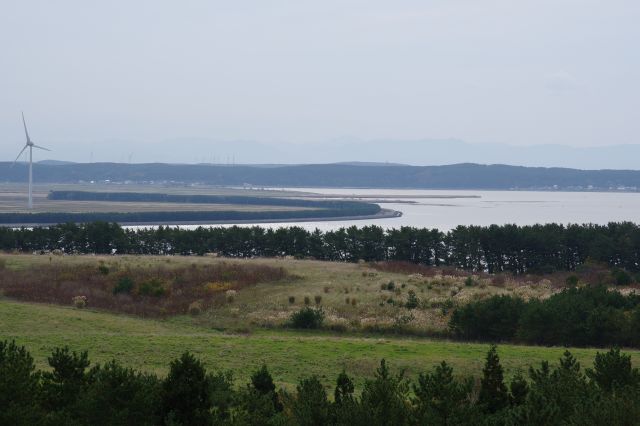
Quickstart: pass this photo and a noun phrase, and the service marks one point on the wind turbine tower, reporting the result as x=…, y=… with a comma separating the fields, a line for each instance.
x=29, y=145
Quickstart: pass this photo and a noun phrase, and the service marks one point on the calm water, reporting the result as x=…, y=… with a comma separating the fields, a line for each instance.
x=490, y=207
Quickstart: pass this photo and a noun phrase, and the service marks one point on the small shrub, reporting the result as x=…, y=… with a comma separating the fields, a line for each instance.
x=403, y=285
x=403, y=320
x=347, y=300
x=195, y=308
x=317, y=299
x=124, y=285
x=340, y=328
x=79, y=301
x=390, y=301
x=153, y=288
x=572, y=280
x=447, y=305
x=103, y=269
x=326, y=289
x=398, y=292
x=292, y=300
x=412, y=300
x=354, y=302
x=231, y=295
x=307, y=300
x=621, y=277
x=469, y=282
x=383, y=286
x=307, y=318
x=391, y=286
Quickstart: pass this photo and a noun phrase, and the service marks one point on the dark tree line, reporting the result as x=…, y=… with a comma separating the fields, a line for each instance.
x=494, y=249
x=72, y=392
x=586, y=316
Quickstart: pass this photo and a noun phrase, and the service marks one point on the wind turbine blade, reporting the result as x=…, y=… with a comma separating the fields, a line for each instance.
x=25, y=128
x=41, y=147
x=14, y=161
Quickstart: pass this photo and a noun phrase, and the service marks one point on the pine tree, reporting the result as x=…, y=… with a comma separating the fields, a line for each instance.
x=493, y=392
x=344, y=389
x=262, y=382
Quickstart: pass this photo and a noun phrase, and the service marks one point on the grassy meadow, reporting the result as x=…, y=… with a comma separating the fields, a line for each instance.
x=245, y=330
x=150, y=345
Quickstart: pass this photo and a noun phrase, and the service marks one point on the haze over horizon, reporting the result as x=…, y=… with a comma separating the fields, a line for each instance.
x=540, y=83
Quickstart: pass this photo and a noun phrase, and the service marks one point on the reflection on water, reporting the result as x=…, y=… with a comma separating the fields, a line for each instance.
x=488, y=207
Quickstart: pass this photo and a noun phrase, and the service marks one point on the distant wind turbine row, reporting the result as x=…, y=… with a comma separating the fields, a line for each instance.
x=29, y=145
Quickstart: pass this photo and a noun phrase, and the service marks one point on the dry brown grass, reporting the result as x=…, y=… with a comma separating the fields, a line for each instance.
x=269, y=300
x=144, y=291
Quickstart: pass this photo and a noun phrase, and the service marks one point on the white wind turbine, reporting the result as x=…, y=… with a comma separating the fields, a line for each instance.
x=29, y=145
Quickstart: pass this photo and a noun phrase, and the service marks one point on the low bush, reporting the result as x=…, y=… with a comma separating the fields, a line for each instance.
x=153, y=287
x=195, y=308
x=621, y=277
x=317, y=299
x=412, y=300
x=572, y=280
x=307, y=318
x=124, y=285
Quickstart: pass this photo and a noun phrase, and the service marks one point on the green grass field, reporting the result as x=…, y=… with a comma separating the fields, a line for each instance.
x=150, y=345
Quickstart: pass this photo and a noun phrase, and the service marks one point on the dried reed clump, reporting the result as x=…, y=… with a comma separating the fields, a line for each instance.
x=292, y=300
x=214, y=287
x=318, y=299
x=79, y=301
x=307, y=300
x=230, y=295
x=195, y=308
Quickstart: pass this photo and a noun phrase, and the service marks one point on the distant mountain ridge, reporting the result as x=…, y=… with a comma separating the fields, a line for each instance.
x=419, y=152
x=454, y=176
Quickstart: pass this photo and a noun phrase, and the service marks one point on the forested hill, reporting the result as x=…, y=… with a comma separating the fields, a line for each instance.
x=456, y=176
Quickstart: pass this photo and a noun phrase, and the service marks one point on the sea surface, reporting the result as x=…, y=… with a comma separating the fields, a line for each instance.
x=444, y=209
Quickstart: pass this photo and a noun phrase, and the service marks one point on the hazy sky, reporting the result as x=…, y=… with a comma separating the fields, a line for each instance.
x=521, y=72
